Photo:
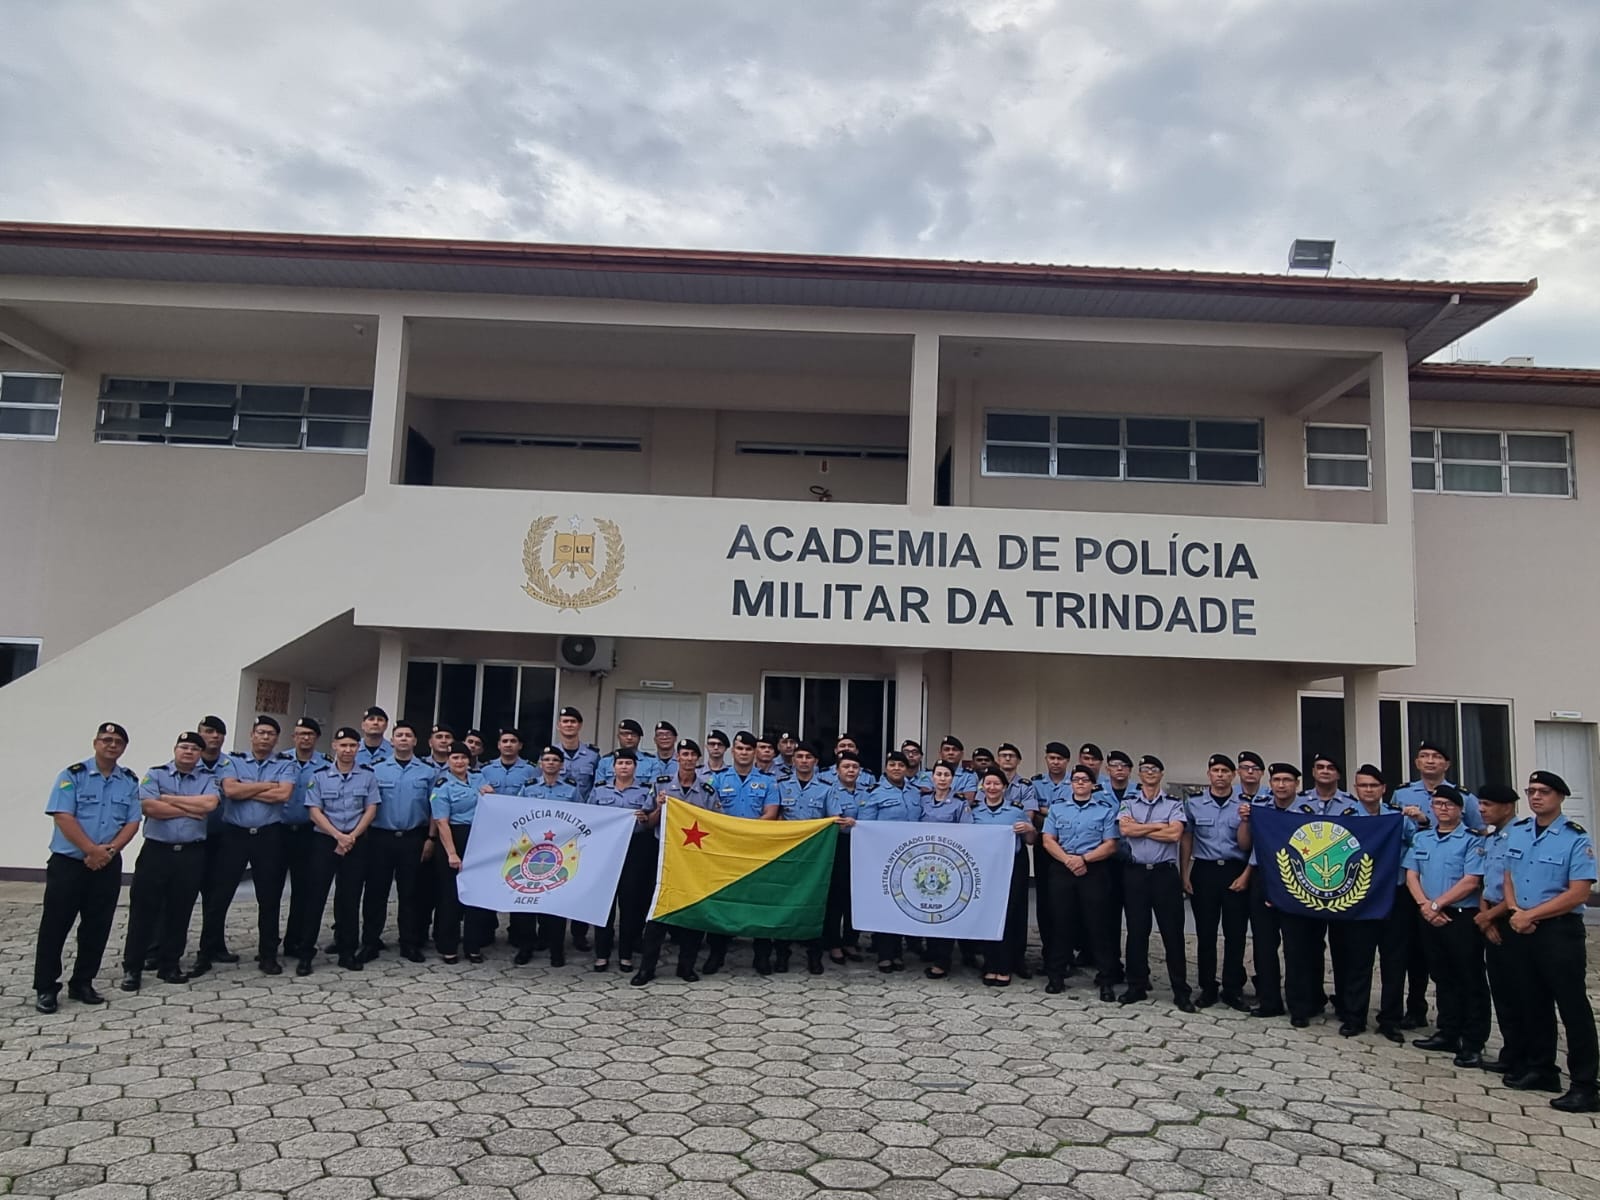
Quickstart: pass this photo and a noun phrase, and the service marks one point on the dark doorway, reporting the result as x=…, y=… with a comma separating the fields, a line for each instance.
x=416, y=467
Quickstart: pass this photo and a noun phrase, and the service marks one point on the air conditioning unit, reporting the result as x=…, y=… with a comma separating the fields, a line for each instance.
x=586, y=653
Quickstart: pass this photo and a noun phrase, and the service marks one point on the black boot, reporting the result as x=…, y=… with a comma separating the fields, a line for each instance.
x=1578, y=1100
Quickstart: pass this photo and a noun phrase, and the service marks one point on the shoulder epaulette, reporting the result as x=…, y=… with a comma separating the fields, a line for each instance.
x=363, y=766
x=1037, y=777
x=76, y=768
x=439, y=781
x=1524, y=821
x=1575, y=827
x=131, y=774
x=281, y=755
x=709, y=789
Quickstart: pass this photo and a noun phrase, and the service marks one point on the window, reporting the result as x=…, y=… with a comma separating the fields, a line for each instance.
x=1338, y=456
x=819, y=707
x=1149, y=449
x=18, y=656
x=1476, y=733
x=551, y=441
x=489, y=696
x=248, y=415
x=30, y=406
x=817, y=450
x=1490, y=462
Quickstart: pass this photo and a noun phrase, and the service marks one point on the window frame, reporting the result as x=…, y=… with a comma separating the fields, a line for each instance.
x=1122, y=447
x=1408, y=756
x=38, y=653
x=1305, y=437
x=19, y=406
x=888, y=705
x=1505, y=464
x=170, y=401
x=439, y=661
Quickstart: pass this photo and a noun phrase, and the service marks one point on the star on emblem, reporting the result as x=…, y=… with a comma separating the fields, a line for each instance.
x=549, y=835
x=694, y=835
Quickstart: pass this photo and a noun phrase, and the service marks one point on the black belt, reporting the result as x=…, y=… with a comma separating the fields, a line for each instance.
x=252, y=830
x=402, y=832
x=1154, y=866
x=1218, y=862
x=173, y=846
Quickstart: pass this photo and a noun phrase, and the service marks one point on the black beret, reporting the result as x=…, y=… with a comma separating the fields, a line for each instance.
x=1085, y=770
x=112, y=728
x=1220, y=760
x=508, y=729
x=190, y=739
x=689, y=744
x=631, y=726
x=668, y=726
x=1448, y=794
x=716, y=735
x=1250, y=756
x=404, y=724
x=375, y=711
x=767, y=739
x=1091, y=750
x=345, y=734
x=270, y=722
x=847, y=756
x=952, y=741
x=1119, y=756
x=1497, y=793
x=556, y=750
x=983, y=752
x=807, y=748
x=1004, y=746
x=912, y=742
x=786, y=736
x=459, y=748
x=569, y=711
x=623, y=754
x=894, y=756
x=1427, y=744
x=744, y=738
x=1370, y=771
x=1283, y=768
x=1551, y=780
x=1061, y=748
x=996, y=772
x=443, y=729
x=1327, y=758
x=215, y=723
x=1150, y=760
x=475, y=733
x=310, y=723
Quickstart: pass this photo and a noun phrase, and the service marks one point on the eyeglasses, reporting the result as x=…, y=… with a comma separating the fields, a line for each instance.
x=1541, y=790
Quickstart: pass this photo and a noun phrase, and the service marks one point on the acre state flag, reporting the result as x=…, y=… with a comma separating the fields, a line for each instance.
x=742, y=877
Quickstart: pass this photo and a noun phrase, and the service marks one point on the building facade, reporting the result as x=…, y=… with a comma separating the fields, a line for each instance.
x=1162, y=511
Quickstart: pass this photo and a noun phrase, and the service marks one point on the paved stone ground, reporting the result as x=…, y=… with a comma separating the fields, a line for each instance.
x=493, y=1082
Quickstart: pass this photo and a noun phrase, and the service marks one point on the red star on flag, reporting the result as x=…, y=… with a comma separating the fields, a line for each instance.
x=549, y=835
x=694, y=835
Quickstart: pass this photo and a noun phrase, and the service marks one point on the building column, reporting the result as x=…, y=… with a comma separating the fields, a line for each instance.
x=922, y=442
x=391, y=673
x=386, y=440
x=1389, y=387
x=908, y=699
x=1363, y=738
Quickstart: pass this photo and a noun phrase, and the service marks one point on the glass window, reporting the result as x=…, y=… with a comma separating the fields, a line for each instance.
x=1226, y=468
x=1485, y=745
x=1337, y=456
x=1149, y=431
x=1017, y=460
x=1088, y=431
x=498, y=708
x=536, y=704
x=485, y=696
x=1158, y=464
x=1536, y=448
x=780, y=704
x=17, y=659
x=252, y=415
x=1423, y=477
x=1477, y=735
x=30, y=405
x=1166, y=449
x=1017, y=427
x=1455, y=445
x=1346, y=440
x=419, y=697
x=1095, y=464
x=1540, y=481
x=1227, y=435
x=1490, y=462
x=1338, y=472
x=1432, y=721
x=819, y=708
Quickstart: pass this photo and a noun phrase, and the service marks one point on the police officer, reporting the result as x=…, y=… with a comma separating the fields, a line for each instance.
x=375, y=748
x=453, y=803
x=632, y=898
x=1305, y=937
x=1550, y=870
x=940, y=805
x=578, y=757
x=396, y=842
x=532, y=932
x=1117, y=785
x=1432, y=764
x=214, y=730
x=801, y=797
x=1443, y=874
x=175, y=799
x=1325, y=797
x=1212, y=861
x=893, y=800
x=251, y=835
x=440, y=739
x=966, y=781
x=664, y=759
x=917, y=772
x=716, y=754
x=1353, y=944
x=1080, y=837
x=508, y=774
x=849, y=801
x=95, y=806
x=1266, y=924
x=476, y=746
x=1251, y=784
x=1089, y=755
x=1497, y=804
x=629, y=732
x=687, y=784
x=767, y=761
x=1053, y=785
x=830, y=776
x=1020, y=790
x=342, y=798
x=298, y=834
x=742, y=791
x=1152, y=822
x=787, y=744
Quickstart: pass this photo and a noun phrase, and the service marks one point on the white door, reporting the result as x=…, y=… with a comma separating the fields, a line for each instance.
x=319, y=707
x=1568, y=749
x=681, y=708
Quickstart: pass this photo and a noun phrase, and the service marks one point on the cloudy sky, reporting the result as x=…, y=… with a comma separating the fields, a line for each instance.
x=1433, y=138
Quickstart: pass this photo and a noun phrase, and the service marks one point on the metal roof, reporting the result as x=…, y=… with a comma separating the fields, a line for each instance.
x=752, y=278
x=1486, y=384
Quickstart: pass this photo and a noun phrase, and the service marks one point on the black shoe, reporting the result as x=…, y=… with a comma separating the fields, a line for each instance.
x=1267, y=1010
x=150, y=963
x=580, y=943
x=303, y=967
x=1535, y=1081
x=131, y=981
x=1468, y=1059
x=201, y=967
x=780, y=965
x=1133, y=996
x=641, y=978
x=271, y=966
x=557, y=958
x=1498, y=1065
x=1578, y=1100
x=331, y=949
x=1236, y=1002
x=84, y=993
x=523, y=957
x=1056, y=985
x=1413, y=1022
x=222, y=956
x=1437, y=1042
x=713, y=965
x=1350, y=1029
x=1300, y=1022
x=350, y=962
x=1185, y=1004
x=1393, y=1034
x=1206, y=999
x=46, y=1002
x=172, y=975
x=1022, y=973
x=412, y=954
x=1108, y=994
x=474, y=956
x=689, y=976
x=763, y=965
x=814, y=964
x=369, y=954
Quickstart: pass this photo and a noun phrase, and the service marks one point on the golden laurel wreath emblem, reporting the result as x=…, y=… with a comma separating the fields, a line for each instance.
x=572, y=558
x=1338, y=904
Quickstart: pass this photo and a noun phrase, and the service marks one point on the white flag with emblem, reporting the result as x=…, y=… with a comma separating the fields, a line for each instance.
x=545, y=856
x=931, y=880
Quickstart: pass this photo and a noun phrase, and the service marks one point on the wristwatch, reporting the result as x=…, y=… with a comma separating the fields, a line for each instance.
x=1433, y=905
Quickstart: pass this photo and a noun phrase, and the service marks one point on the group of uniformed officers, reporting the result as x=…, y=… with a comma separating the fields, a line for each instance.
x=1487, y=904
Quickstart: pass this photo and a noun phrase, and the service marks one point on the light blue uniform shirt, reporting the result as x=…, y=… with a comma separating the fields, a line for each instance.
x=578, y=766
x=453, y=801
x=636, y=797
x=1214, y=822
x=169, y=781
x=1049, y=791
x=223, y=769
x=1006, y=813
x=342, y=798
x=1416, y=792
x=747, y=796
x=892, y=803
x=1542, y=862
x=806, y=801
x=368, y=757
x=649, y=769
x=537, y=789
x=1341, y=804
x=403, y=789
x=1442, y=860
x=1081, y=828
x=1146, y=851
x=294, y=810
x=508, y=781
x=1492, y=853
x=247, y=768
x=842, y=802
x=952, y=811
x=700, y=793
x=103, y=804
x=865, y=780
x=1021, y=791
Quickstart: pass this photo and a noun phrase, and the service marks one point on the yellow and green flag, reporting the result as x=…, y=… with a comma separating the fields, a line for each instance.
x=741, y=877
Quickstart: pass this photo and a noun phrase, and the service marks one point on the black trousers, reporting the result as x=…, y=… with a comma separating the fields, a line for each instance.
x=344, y=875
x=632, y=901
x=1266, y=937
x=229, y=851
x=456, y=923
x=1304, y=964
x=1506, y=991
x=836, y=916
x=1353, y=946
x=166, y=882
x=298, y=841
x=72, y=892
x=1155, y=892
x=1215, y=905
x=1081, y=902
x=1400, y=950
x=1044, y=910
x=394, y=859
x=539, y=931
x=1461, y=989
x=1550, y=961
x=655, y=936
